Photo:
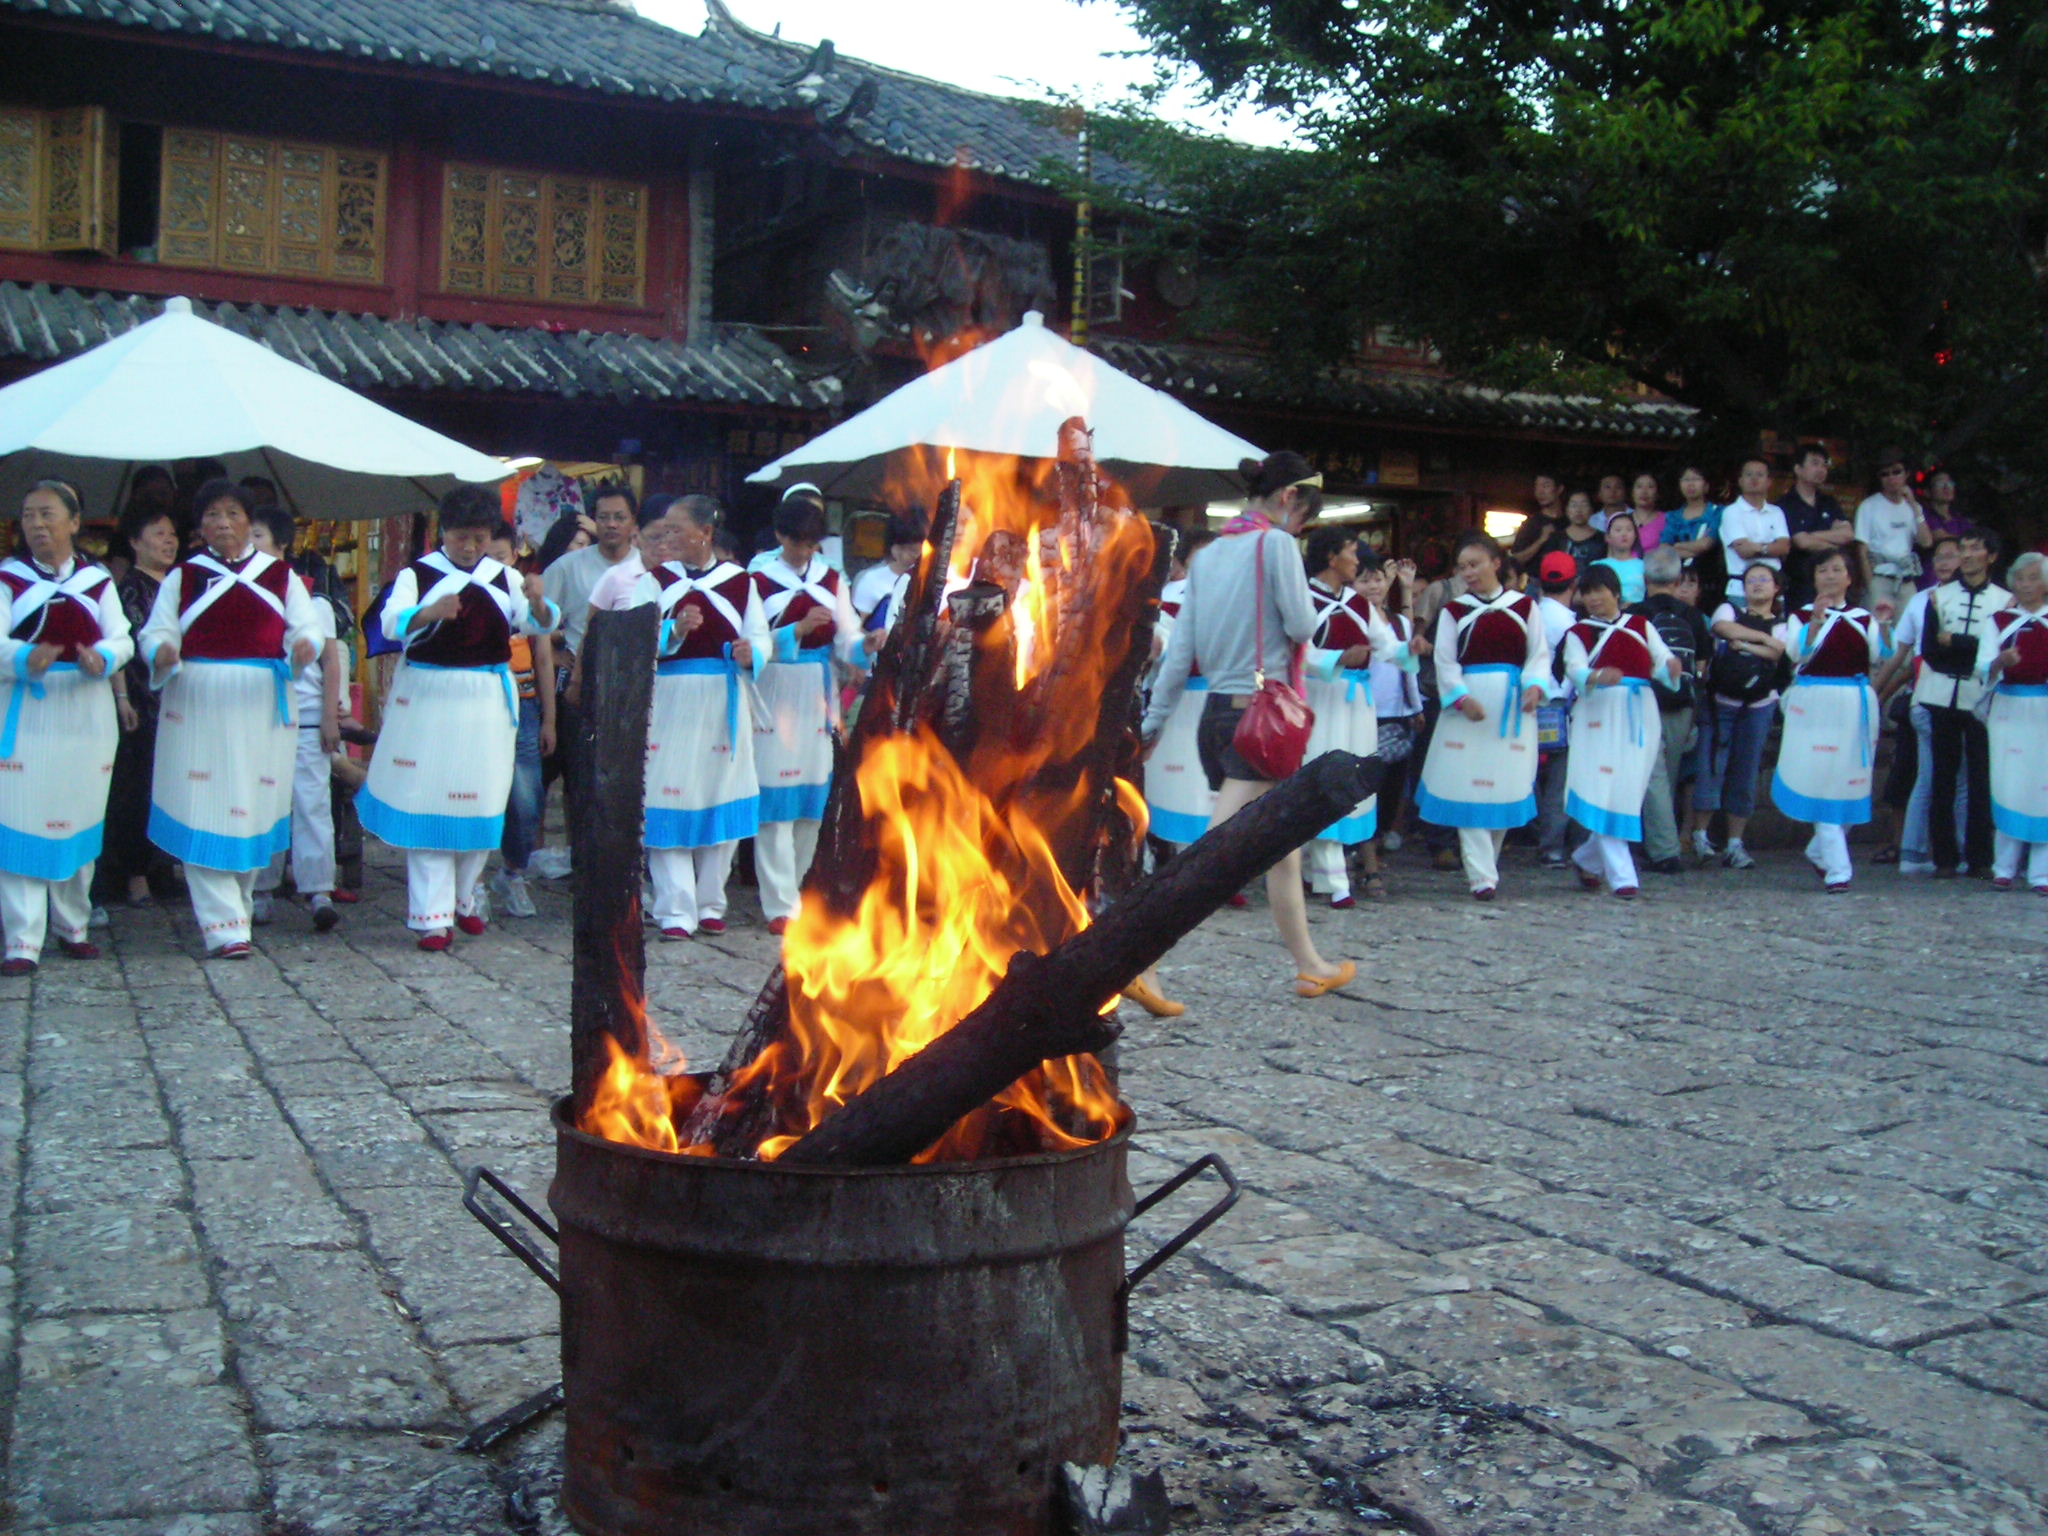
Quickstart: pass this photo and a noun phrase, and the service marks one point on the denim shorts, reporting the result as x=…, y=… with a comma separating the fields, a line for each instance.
x=1216, y=743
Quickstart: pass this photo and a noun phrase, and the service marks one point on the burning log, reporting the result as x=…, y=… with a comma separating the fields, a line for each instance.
x=608, y=984
x=1049, y=1006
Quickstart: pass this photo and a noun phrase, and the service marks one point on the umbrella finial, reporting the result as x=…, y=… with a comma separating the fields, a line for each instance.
x=178, y=305
x=1034, y=318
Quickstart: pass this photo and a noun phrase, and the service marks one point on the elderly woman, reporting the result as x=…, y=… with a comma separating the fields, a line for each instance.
x=1349, y=634
x=230, y=627
x=442, y=772
x=1617, y=733
x=1831, y=719
x=1246, y=613
x=2017, y=663
x=64, y=632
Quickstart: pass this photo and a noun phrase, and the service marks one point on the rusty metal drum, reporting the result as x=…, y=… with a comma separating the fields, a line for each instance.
x=752, y=1350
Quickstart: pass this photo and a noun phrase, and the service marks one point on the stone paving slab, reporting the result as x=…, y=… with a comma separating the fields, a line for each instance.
x=1747, y=1236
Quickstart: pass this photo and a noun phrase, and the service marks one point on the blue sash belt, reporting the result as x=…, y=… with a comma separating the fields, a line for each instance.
x=1863, y=699
x=713, y=666
x=504, y=672
x=24, y=687
x=280, y=670
x=1635, y=687
x=1354, y=679
x=1511, y=716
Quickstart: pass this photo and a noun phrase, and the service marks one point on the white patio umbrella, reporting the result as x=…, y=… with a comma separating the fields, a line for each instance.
x=181, y=387
x=1010, y=396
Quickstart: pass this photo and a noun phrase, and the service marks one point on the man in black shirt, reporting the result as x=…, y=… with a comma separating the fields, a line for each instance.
x=1534, y=536
x=1816, y=522
x=1686, y=633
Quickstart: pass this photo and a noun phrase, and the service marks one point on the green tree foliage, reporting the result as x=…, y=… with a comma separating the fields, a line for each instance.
x=1822, y=215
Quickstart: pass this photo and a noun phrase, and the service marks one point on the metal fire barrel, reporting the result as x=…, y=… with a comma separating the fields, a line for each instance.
x=753, y=1350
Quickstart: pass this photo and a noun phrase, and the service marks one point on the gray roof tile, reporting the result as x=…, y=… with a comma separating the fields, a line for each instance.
x=42, y=324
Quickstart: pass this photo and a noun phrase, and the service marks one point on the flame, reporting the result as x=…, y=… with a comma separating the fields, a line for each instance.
x=983, y=844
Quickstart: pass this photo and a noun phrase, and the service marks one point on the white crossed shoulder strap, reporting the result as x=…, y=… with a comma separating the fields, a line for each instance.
x=1502, y=601
x=220, y=581
x=792, y=582
x=1835, y=616
x=1619, y=627
x=705, y=586
x=1326, y=604
x=454, y=578
x=43, y=589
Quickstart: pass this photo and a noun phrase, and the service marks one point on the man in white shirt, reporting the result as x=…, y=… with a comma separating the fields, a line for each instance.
x=1753, y=529
x=1891, y=527
x=1955, y=632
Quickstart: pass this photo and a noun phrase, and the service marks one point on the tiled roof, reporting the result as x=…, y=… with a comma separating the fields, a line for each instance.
x=733, y=366
x=595, y=46
x=1201, y=374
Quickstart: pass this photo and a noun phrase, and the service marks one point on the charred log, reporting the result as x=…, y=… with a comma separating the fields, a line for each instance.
x=1049, y=1006
x=608, y=982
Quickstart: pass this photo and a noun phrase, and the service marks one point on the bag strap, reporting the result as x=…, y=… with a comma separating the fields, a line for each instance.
x=1259, y=610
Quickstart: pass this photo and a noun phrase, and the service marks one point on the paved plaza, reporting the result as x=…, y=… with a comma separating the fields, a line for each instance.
x=1724, y=1213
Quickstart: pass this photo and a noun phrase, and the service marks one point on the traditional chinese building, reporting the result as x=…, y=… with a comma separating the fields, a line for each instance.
x=556, y=228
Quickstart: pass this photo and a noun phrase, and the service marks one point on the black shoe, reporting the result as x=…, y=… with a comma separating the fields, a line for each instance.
x=1947, y=873
x=1667, y=867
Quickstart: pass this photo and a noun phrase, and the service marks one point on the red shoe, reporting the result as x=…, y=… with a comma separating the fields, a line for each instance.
x=1627, y=892
x=1342, y=903
x=2001, y=882
x=675, y=935
x=436, y=941
x=17, y=965
x=241, y=949
x=1238, y=900
x=1484, y=893
x=778, y=926
x=79, y=950
x=1588, y=882
x=711, y=925
x=1837, y=887
x=345, y=897
x=470, y=924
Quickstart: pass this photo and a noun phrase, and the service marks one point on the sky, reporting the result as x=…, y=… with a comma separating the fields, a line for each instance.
x=1055, y=45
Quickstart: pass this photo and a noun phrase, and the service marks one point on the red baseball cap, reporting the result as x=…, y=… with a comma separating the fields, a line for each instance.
x=1557, y=568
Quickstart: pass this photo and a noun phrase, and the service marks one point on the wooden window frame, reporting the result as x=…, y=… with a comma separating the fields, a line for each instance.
x=232, y=202
x=543, y=237
x=60, y=179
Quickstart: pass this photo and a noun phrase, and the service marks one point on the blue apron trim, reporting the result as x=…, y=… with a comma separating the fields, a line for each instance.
x=26, y=687
x=1475, y=813
x=1177, y=826
x=420, y=829
x=1353, y=829
x=218, y=850
x=795, y=802
x=48, y=858
x=704, y=828
x=1511, y=714
x=1833, y=813
x=504, y=671
x=711, y=666
x=1862, y=729
x=2027, y=829
x=1597, y=818
x=2013, y=690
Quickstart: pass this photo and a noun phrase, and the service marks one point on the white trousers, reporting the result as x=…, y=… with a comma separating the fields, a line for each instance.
x=2006, y=866
x=1328, y=874
x=440, y=886
x=1480, y=849
x=221, y=901
x=1609, y=858
x=783, y=851
x=312, y=823
x=689, y=883
x=27, y=905
x=1828, y=851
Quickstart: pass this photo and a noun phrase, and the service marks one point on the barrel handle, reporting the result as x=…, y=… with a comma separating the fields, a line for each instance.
x=1173, y=1245
x=503, y=1230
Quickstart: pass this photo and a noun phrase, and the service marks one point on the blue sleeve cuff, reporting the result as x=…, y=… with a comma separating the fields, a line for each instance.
x=787, y=647
x=1582, y=677
x=107, y=655
x=1450, y=700
x=1323, y=665
x=402, y=631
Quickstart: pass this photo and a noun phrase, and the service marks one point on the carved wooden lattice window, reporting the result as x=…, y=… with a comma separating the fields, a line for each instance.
x=273, y=206
x=59, y=180
x=521, y=235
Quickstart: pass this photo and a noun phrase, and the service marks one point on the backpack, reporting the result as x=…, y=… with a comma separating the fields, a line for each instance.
x=1673, y=622
x=1740, y=676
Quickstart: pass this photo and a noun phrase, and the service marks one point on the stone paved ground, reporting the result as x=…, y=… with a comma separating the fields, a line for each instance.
x=1726, y=1213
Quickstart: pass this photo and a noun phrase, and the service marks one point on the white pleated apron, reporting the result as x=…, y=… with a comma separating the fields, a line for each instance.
x=793, y=752
x=56, y=761
x=1482, y=773
x=1825, y=753
x=701, y=785
x=1616, y=736
x=2018, y=723
x=226, y=739
x=1345, y=721
x=1177, y=792
x=443, y=765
